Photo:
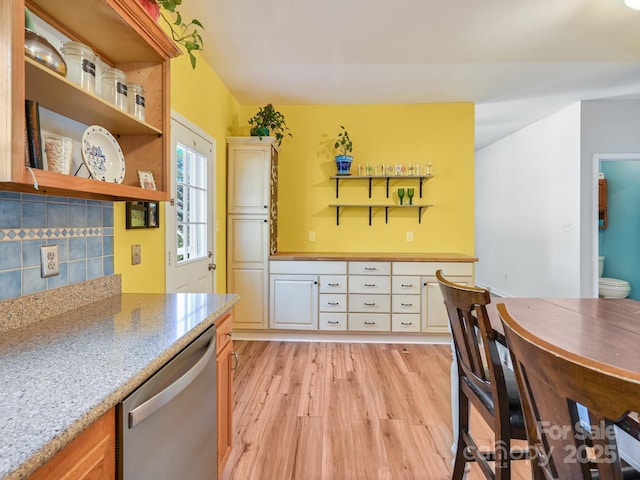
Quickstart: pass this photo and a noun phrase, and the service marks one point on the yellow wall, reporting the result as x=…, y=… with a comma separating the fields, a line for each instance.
x=200, y=96
x=440, y=133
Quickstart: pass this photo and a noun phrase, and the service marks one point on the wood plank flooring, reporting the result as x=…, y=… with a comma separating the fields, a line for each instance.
x=339, y=411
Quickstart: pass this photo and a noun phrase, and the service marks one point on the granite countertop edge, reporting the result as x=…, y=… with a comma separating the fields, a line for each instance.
x=41, y=454
x=375, y=256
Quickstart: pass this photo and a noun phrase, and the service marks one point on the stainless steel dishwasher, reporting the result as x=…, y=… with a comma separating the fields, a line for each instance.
x=167, y=427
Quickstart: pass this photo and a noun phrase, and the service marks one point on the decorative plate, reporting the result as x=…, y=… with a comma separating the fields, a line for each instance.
x=102, y=155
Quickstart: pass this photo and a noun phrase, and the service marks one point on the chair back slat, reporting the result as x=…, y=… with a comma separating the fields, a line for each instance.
x=552, y=383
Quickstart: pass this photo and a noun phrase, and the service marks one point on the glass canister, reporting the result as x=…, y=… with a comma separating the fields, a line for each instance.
x=135, y=93
x=81, y=64
x=114, y=87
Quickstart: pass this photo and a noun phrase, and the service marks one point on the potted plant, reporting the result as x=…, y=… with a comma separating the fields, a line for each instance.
x=269, y=121
x=183, y=34
x=344, y=146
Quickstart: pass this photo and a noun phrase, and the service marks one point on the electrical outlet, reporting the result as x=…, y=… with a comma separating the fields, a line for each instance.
x=312, y=236
x=409, y=236
x=50, y=266
x=136, y=257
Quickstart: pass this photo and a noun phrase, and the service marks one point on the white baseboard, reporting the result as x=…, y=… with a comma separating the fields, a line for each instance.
x=436, y=339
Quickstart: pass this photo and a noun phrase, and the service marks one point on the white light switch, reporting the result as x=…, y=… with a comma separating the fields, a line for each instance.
x=312, y=236
x=409, y=236
x=136, y=258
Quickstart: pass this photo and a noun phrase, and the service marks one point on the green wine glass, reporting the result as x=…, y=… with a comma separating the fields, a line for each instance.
x=401, y=194
x=410, y=193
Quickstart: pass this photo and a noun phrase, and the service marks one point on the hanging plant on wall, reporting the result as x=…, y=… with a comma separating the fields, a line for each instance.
x=185, y=34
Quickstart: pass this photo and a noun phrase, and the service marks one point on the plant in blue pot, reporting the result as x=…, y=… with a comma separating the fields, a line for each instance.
x=344, y=146
x=269, y=121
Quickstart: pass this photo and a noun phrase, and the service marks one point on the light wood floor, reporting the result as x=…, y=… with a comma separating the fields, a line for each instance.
x=335, y=411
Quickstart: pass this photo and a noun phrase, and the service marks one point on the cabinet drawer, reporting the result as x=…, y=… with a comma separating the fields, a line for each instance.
x=333, y=321
x=333, y=303
x=369, y=284
x=405, y=285
x=370, y=268
x=369, y=303
x=405, y=303
x=369, y=322
x=430, y=268
x=333, y=284
x=409, y=322
x=307, y=267
x=224, y=326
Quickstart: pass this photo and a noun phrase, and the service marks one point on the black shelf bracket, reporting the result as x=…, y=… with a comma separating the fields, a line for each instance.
x=370, y=208
x=337, y=188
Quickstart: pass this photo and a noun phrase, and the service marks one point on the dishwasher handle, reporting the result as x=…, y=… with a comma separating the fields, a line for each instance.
x=163, y=397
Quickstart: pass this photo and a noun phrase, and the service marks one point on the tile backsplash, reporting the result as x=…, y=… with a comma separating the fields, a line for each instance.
x=82, y=229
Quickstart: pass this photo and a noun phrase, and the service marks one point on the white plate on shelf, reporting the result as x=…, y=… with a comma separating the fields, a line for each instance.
x=102, y=155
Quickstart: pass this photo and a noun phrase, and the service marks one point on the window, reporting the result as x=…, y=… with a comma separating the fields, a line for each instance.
x=191, y=204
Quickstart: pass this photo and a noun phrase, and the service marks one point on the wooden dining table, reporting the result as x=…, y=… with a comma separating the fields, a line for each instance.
x=602, y=330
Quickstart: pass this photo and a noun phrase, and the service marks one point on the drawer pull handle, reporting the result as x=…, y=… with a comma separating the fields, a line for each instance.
x=369, y=323
x=370, y=269
x=333, y=322
x=407, y=304
x=334, y=303
x=405, y=285
x=369, y=304
x=334, y=284
x=370, y=285
x=406, y=324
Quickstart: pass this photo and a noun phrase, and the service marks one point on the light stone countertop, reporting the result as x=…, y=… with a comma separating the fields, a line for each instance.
x=59, y=375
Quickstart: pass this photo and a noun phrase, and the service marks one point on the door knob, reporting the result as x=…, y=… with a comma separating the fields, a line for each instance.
x=212, y=266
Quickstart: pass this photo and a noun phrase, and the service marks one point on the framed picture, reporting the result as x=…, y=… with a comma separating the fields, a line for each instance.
x=146, y=180
x=143, y=215
x=153, y=215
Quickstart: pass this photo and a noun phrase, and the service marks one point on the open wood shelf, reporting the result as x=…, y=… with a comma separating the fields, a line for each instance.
x=371, y=206
x=370, y=178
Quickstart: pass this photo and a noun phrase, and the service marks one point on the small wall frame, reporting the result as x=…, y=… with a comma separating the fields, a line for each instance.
x=142, y=215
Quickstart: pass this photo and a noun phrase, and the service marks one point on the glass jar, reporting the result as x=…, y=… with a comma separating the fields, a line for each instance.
x=114, y=87
x=135, y=93
x=81, y=64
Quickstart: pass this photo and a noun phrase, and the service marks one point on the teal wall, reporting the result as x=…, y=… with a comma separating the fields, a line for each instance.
x=620, y=241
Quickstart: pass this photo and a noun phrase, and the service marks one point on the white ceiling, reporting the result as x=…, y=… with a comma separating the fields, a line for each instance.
x=518, y=60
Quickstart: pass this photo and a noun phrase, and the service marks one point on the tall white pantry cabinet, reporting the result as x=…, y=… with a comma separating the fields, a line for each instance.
x=252, y=220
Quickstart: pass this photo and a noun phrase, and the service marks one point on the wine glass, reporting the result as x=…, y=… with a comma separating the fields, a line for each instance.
x=401, y=194
x=410, y=195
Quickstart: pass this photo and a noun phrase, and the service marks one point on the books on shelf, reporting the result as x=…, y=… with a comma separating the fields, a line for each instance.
x=34, y=139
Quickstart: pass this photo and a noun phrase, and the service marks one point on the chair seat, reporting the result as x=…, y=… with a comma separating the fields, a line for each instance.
x=518, y=429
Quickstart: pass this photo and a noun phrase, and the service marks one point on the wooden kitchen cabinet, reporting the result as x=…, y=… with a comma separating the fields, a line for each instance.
x=90, y=456
x=224, y=376
x=124, y=36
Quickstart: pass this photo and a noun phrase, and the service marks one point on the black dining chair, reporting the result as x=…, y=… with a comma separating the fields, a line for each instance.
x=553, y=383
x=483, y=383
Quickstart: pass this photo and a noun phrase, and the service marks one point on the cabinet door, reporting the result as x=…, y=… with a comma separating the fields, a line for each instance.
x=225, y=404
x=249, y=170
x=247, y=260
x=434, y=313
x=294, y=302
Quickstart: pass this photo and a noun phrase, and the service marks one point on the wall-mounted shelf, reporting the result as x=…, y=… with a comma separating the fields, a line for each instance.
x=337, y=178
x=386, y=207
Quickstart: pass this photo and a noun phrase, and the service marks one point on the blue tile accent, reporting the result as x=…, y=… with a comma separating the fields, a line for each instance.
x=94, y=268
x=10, y=284
x=94, y=216
x=60, y=280
x=107, y=245
x=31, y=252
x=9, y=255
x=94, y=247
x=77, y=248
x=108, y=266
x=32, y=282
x=82, y=229
x=57, y=215
x=10, y=214
x=77, y=271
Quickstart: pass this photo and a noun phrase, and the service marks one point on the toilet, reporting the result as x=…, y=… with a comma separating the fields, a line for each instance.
x=611, y=287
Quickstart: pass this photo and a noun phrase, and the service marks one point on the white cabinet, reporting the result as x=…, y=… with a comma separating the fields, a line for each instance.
x=252, y=172
x=294, y=302
x=247, y=258
x=369, y=296
x=435, y=318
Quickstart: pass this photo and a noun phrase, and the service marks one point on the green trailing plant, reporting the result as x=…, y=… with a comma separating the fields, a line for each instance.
x=343, y=144
x=269, y=121
x=185, y=34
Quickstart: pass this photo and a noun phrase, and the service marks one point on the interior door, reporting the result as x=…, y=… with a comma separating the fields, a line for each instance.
x=190, y=215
